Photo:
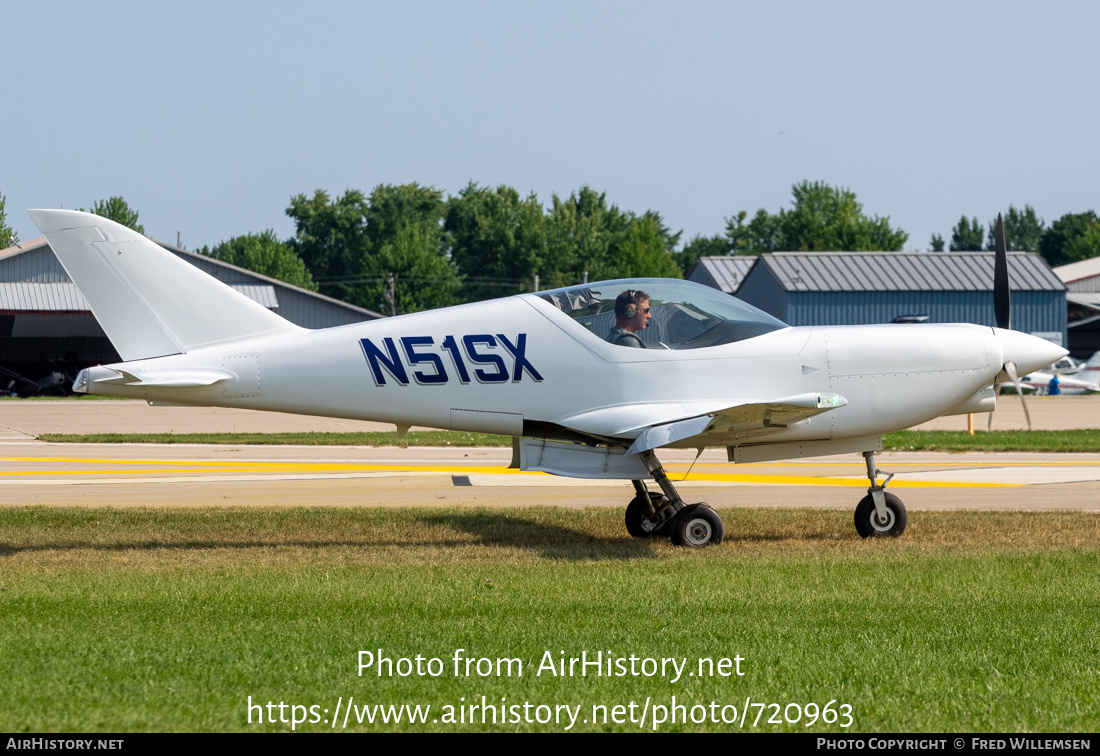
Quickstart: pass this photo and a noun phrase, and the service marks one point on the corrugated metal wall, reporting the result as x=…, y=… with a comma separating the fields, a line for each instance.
x=760, y=289
x=37, y=266
x=906, y=271
x=42, y=326
x=300, y=307
x=699, y=274
x=723, y=273
x=311, y=311
x=1032, y=311
x=1091, y=284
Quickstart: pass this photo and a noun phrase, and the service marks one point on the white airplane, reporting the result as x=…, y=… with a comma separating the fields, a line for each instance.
x=539, y=367
x=1088, y=371
x=1039, y=382
x=1066, y=365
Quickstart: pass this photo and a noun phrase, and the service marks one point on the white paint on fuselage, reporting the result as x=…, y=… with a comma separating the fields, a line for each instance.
x=893, y=376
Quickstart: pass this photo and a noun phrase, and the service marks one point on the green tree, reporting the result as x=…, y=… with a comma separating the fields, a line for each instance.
x=827, y=218
x=8, y=237
x=1084, y=246
x=585, y=235
x=1056, y=242
x=581, y=234
x=405, y=237
x=967, y=235
x=498, y=240
x=762, y=234
x=645, y=252
x=330, y=237
x=823, y=218
x=116, y=209
x=937, y=243
x=393, y=207
x=1023, y=230
x=668, y=238
x=352, y=244
x=264, y=254
x=423, y=278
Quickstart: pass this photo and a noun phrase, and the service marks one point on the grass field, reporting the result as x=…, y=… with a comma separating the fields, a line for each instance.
x=1080, y=440
x=1087, y=440
x=381, y=438
x=169, y=619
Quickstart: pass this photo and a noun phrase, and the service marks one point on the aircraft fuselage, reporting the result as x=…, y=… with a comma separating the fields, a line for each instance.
x=490, y=366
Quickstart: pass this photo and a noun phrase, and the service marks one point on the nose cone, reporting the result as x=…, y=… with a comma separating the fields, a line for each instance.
x=1030, y=353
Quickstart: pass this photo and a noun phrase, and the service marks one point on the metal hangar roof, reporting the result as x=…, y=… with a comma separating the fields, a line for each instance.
x=724, y=273
x=905, y=271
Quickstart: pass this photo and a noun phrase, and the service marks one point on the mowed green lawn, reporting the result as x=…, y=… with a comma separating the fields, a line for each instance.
x=1077, y=440
x=169, y=619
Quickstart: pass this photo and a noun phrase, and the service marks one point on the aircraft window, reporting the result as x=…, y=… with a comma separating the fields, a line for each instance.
x=684, y=315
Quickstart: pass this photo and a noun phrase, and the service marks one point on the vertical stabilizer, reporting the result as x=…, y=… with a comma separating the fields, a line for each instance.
x=148, y=301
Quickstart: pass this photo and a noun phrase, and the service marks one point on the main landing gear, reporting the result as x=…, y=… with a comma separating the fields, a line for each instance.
x=879, y=514
x=652, y=514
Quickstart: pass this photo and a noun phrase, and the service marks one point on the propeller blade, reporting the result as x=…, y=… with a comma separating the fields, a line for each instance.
x=1010, y=368
x=1002, y=306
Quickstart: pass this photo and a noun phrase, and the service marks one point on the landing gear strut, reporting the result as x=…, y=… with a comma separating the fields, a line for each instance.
x=879, y=514
x=657, y=514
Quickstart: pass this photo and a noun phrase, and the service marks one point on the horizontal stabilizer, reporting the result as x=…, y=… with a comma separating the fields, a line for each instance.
x=148, y=301
x=151, y=377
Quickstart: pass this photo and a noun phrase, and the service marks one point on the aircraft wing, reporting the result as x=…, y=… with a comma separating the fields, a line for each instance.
x=719, y=425
x=712, y=426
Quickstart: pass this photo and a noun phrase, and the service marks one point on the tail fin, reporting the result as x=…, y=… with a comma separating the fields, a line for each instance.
x=148, y=301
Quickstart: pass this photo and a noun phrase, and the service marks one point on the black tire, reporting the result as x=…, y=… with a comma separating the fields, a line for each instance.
x=867, y=524
x=636, y=513
x=697, y=526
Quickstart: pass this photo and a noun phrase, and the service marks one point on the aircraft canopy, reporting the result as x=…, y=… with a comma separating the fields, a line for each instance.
x=685, y=315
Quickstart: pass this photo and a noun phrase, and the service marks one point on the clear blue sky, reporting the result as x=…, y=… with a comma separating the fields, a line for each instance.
x=208, y=116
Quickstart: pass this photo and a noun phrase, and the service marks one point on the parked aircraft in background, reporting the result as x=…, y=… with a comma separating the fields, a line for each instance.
x=1039, y=382
x=539, y=367
x=1073, y=377
x=1085, y=371
x=1067, y=365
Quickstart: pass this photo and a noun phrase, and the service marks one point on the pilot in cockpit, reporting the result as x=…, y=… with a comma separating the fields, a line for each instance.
x=631, y=315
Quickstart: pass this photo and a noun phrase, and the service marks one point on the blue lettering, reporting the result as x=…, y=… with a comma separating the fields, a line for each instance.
x=410, y=343
x=501, y=374
x=386, y=357
x=519, y=351
x=377, y=361
x=451, y=346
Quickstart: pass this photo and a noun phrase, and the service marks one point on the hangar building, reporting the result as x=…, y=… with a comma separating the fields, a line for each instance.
x=725, y=273
x=47, y=327
x=850, y=288
x=1083, y=301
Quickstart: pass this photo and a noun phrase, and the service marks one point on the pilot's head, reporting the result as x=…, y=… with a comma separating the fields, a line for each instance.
x=632, y=310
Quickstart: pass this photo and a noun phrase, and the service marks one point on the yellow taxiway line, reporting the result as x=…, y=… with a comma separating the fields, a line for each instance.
x=199, y=468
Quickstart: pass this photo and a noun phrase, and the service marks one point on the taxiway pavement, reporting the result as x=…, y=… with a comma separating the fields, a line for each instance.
x=35, y=472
